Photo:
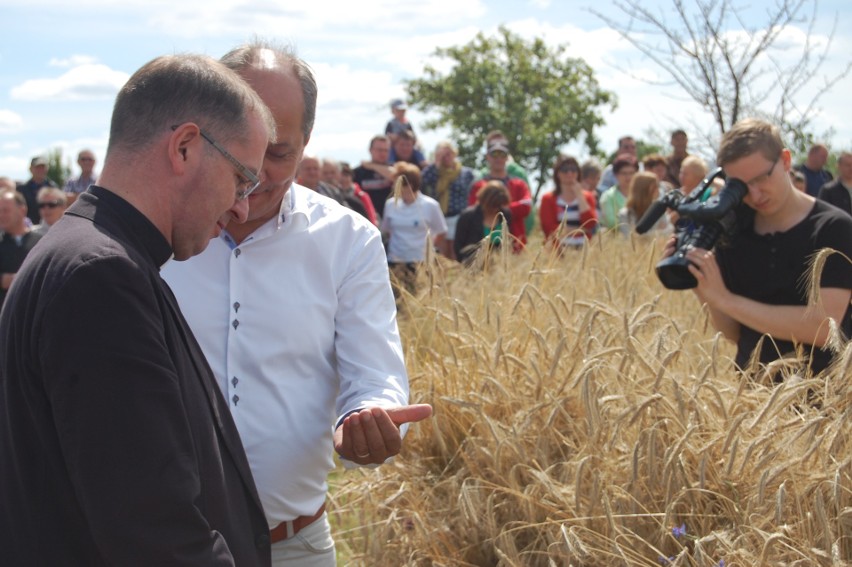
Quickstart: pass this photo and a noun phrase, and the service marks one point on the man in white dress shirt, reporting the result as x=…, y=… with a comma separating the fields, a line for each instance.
x=295, y=313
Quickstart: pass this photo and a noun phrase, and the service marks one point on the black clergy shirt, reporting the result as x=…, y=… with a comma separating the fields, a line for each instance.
x=116, y=447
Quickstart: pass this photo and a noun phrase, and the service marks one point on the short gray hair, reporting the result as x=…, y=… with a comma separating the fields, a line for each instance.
x=175, y=89
x=53, y=192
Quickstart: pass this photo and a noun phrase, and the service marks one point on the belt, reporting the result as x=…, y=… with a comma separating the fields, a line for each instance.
x=288, y=529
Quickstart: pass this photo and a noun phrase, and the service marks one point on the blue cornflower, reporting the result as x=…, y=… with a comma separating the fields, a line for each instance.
x=679, y=531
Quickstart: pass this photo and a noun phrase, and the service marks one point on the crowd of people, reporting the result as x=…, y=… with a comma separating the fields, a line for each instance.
x=189, y=337
x=584, y=198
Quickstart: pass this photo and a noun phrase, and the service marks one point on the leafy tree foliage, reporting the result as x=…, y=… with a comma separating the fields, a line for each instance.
x=537, y=96
x=56, y=169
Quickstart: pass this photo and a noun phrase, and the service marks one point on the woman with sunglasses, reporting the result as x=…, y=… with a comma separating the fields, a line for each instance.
x=568, y=213
x=52, y=203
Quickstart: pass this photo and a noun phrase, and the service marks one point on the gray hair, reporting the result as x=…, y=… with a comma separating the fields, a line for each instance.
x=175, y=89
x=54, y=193
x=329, y=161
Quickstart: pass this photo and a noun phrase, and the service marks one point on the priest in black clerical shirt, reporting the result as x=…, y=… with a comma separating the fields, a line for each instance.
x=116, y=446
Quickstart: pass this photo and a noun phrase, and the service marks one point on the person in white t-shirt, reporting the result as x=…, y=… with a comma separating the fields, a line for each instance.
x=412, y=222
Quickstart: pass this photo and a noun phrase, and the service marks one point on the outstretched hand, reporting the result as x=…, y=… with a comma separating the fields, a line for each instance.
x=371, y=436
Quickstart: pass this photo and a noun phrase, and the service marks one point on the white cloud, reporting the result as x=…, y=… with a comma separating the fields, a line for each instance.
x=14, y=167
x=362, y=51
x=341, y=83
x=271, y=16
x=73, y=61
x=85, y=82
x=10, y=121
x=10, y=146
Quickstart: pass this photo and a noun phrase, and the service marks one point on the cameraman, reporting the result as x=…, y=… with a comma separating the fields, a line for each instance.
x=756, y=284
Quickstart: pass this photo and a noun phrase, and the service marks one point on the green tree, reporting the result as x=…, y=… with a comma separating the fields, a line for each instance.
x=56, y=169
x=540, y=98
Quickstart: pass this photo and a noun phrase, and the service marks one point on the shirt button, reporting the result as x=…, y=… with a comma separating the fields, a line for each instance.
x=235, y=324
x=236, y=306
x=235, y=381
x=235, y=399
x=237, y=252
x=262, y=541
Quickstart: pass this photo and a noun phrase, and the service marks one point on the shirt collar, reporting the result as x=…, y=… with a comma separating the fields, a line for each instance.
x=293, y=213
x=294, y=208
x=106, y=208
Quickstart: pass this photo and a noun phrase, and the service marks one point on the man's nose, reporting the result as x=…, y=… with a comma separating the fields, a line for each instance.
x=239, y=211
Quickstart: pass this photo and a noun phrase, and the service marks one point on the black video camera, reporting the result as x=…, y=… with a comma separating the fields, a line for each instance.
x=700, y=225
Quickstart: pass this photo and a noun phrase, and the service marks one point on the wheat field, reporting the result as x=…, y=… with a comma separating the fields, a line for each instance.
x=585, y=415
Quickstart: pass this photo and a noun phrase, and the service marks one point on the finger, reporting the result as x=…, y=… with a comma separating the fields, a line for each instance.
x=409, y=414
x=389, y=432
x=695, y=271
x=696, y=255
x=360, y=448
x=376, y=451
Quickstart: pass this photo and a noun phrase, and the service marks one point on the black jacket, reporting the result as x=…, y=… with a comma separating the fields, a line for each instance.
x=470, y=232
x=835, y=193
x=116, y=446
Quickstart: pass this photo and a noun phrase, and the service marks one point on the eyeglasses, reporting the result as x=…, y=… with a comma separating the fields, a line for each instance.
x=565, y=168
x=764, y=176
x=251, y=181
x=49, y=205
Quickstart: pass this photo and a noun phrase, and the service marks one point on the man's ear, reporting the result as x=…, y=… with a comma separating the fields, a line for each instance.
x=183, y=146
x=786, y=159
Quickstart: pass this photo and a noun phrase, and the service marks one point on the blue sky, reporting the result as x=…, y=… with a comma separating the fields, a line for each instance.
x=61, y=63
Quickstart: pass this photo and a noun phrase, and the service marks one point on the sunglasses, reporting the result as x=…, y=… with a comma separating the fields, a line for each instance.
x=498, y=154
x=566, y=168
x=49, y=205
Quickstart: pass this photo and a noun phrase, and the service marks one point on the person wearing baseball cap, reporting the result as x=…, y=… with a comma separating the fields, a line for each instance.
x=39, y=179
x=497, y=156
x=399, y=123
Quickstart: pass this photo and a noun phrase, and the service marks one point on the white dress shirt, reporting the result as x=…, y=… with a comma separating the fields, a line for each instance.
x=299, y=325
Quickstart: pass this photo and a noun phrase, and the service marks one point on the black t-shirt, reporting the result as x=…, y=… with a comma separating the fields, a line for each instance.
x=774, y=269
x=376, y=186
x=13, y=253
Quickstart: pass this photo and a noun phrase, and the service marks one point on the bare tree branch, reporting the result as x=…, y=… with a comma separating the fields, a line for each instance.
x=724, y=61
